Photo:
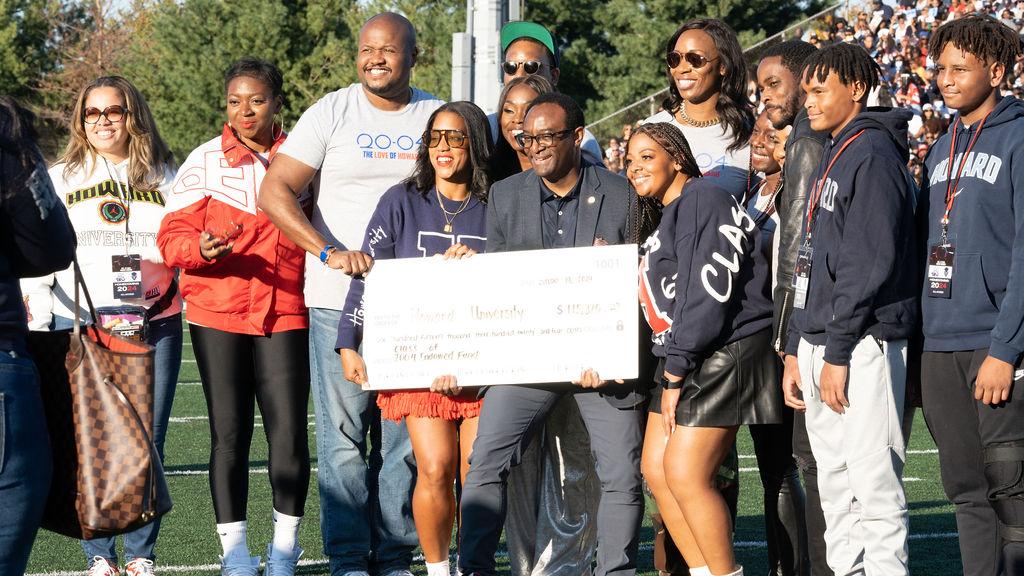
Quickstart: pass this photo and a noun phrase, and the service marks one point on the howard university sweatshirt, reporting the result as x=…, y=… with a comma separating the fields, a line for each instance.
x=863, y=271
x=704, y=277
x=986, y=304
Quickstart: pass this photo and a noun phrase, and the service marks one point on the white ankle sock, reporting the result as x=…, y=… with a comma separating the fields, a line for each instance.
x=438, y=568
x=702, y=571
x=286, y=534
x=232, y=539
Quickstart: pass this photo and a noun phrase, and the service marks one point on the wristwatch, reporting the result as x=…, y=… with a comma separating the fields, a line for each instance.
x=326, y=253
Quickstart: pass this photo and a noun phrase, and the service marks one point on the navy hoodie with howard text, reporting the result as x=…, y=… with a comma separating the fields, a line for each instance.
x=986, y=227
x=863, y=268
x=704, y=277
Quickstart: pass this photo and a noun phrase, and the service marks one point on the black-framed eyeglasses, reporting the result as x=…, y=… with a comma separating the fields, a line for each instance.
x=455, y=138
x=675, y=58
x=526, y=140
x=530, y=67
x=113, y=113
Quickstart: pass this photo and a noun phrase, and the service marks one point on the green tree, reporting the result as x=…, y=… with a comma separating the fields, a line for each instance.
x=25, y=39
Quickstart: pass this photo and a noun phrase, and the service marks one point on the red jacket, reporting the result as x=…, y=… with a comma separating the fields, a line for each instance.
x=257, y=287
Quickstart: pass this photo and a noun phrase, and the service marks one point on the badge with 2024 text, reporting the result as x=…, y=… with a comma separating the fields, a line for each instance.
x=127, y=275
x=940, y=270
x=802, y=276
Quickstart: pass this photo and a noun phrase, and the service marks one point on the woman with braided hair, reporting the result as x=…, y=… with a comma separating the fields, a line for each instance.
x=705, y=291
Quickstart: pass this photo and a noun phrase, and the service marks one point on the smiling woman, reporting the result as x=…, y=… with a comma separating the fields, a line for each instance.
x=114, y=178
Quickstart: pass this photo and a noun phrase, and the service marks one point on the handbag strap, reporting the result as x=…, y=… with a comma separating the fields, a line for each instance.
x=80, y=282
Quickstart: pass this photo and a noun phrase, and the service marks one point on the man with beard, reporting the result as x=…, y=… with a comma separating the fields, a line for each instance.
x=359, y=141
x=778, y=78
x=562, y=202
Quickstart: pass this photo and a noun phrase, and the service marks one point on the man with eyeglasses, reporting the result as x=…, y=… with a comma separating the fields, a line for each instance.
x=529, y=49
x=358, y=142
x=562, y=202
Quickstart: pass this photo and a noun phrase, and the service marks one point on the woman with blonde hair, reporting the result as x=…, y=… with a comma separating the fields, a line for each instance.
x=114, y=178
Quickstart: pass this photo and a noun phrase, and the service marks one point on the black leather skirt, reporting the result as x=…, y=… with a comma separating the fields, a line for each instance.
x=738, y=384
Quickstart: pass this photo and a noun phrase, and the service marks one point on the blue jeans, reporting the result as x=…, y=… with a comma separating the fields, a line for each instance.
x=350, y=479
x=165, y=335
x=25, y=465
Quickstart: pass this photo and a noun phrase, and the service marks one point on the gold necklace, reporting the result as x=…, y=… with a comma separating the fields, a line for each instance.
x=449, y=217
x=696, y=123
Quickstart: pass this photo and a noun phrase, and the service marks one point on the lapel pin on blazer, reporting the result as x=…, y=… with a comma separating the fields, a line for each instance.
x=591, y=200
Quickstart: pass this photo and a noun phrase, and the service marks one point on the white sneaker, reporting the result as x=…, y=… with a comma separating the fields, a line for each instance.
x=102, y=567
x=240, y=566
x=140, y=567
x=281, y=566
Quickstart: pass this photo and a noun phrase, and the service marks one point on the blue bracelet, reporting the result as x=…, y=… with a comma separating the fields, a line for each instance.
x=326, y=252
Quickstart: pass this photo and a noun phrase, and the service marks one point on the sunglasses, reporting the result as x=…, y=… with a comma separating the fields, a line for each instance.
x=526, y=140
x=455, y=138
x=530, y=67
x=674, y=59
x=111, y=113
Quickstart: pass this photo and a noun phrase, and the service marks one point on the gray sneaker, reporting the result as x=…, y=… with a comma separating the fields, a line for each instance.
x=281, y=566
x=357, y=573
x=399, y=572
x=243, y=566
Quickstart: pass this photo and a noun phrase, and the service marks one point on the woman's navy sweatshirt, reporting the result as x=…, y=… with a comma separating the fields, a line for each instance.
x=36, y=237
x=864, y=278
x=704, y=277
x=408, y=224
x=986, y=304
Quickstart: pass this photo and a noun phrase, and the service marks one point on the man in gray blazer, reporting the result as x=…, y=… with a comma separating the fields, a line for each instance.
x=561, y=203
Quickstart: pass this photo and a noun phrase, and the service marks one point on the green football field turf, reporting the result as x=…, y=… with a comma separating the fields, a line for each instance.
x=189, y=545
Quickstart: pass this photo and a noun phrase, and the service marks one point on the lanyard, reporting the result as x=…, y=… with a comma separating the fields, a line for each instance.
x=951, y=184
x=124, y=195
x=813, y=204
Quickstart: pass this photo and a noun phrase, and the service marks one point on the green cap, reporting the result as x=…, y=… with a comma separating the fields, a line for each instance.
x=521, y=29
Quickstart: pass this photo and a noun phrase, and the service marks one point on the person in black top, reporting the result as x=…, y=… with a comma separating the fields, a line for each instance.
x=778, y=78
x=705, y=291
x=855, y=305
x=35, y=239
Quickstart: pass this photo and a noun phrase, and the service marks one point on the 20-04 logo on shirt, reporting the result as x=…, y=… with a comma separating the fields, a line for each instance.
x=383, y=146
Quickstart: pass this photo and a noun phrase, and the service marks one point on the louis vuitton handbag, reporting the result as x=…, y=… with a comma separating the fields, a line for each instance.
x=97, y=392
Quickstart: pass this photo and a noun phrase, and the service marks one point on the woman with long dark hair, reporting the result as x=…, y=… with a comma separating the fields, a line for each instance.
x=707, y=100
x=439, y=210
x=242, y=279
x=114, y=178
x=706, y=294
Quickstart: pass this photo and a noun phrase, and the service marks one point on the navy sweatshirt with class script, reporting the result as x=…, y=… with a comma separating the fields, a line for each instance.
x=704, y=277
x=863, y=268
x=986, y=304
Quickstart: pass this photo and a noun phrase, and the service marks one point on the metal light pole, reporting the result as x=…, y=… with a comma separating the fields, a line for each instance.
x=476, y=52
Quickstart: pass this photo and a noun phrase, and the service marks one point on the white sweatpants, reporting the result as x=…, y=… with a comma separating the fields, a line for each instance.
x=860, y=457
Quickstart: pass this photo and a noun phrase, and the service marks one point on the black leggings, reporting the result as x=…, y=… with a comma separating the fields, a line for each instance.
x=273, y=370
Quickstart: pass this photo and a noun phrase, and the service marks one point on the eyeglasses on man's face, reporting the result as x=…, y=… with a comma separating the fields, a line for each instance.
x=530, y=67
x=547, y=139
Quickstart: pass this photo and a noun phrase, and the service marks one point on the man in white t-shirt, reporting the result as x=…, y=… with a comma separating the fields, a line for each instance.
x=358, y=142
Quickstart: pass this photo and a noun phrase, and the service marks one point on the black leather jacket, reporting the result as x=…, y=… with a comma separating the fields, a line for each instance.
x=803, y=153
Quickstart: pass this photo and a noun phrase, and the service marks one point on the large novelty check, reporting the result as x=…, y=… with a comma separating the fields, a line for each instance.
x=506, y=318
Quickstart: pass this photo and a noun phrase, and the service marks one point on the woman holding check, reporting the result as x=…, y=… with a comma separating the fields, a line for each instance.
x=704, y=288
x=438, y=211
x=243, y=280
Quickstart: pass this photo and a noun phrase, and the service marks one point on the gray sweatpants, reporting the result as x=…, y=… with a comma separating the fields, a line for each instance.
x=860, y=456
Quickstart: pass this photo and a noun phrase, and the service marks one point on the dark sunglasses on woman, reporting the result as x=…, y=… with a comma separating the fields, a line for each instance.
x=455, y=138
x=113, y=113
x=674, y=59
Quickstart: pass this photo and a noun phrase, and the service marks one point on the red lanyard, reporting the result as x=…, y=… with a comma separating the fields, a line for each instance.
x=813, y=204
x=951, y=184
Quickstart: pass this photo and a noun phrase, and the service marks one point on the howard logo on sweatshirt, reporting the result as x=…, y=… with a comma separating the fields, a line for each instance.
x=977, y=165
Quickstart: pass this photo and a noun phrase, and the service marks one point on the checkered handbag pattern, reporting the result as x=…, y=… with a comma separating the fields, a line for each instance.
x=121, y=484
x=98, y=396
